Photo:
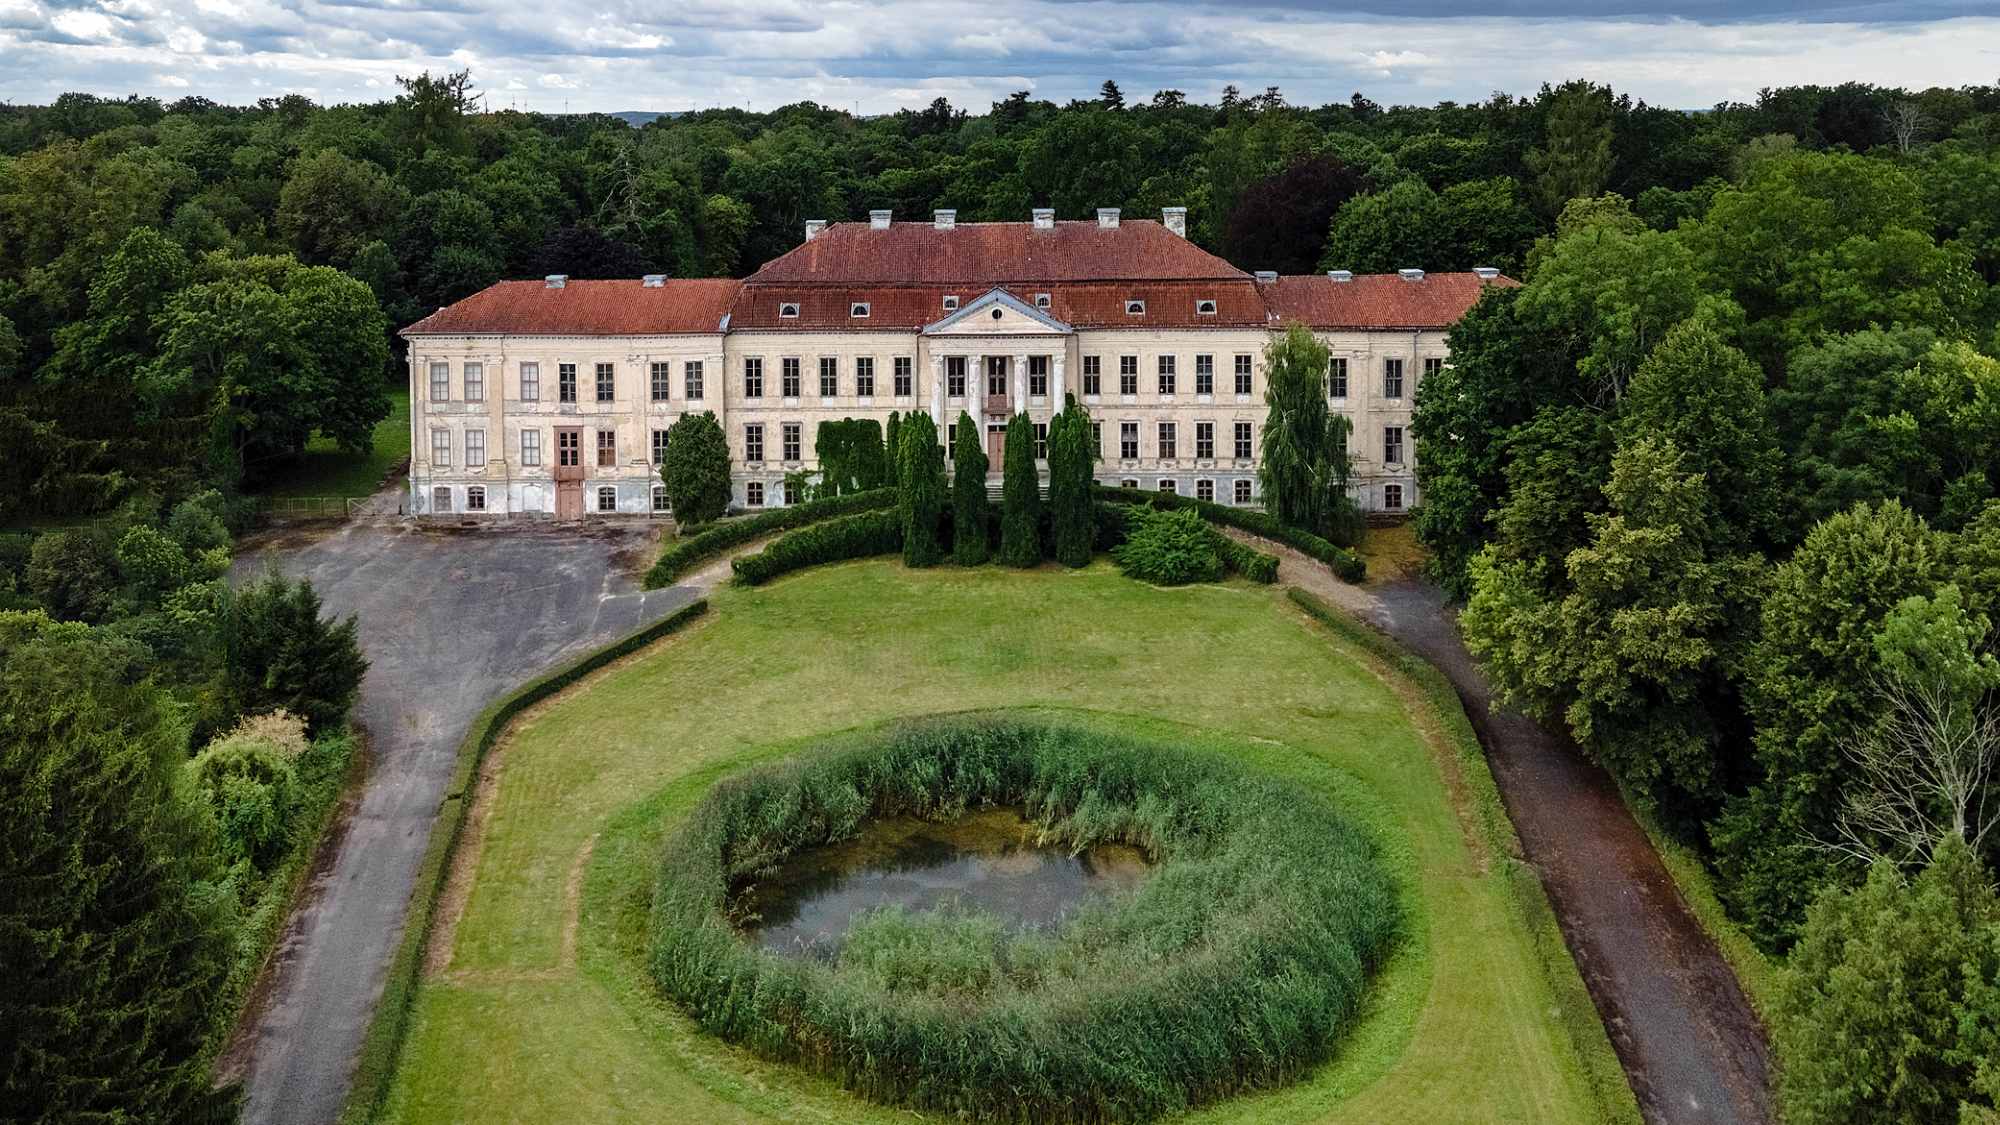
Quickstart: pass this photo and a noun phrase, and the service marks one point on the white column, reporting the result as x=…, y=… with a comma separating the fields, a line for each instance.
x=1020, y=384
x=937, y=389
x=1058, y=388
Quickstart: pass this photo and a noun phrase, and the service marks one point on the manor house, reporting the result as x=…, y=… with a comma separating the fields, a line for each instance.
x=555, y=396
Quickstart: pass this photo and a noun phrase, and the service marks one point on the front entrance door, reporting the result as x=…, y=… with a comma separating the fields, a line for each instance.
x=996, y=445
x=569, y=472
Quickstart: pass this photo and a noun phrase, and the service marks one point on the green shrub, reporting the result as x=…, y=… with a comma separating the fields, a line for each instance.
x=278, y=652
x=695, y=471
x=1169, y=548
x=1345, y=564
x=849, y=537
x=72, y=573
x=738, y=530
x=250, y=784
x=1237, y=964
x=1243, y=559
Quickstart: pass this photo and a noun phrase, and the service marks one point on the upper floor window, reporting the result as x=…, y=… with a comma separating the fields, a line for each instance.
x=1336, y=377
x=753, y=378
x=791, y=438
x=950, y=302
x=753, y=442
x=1204, y=440
x=440, y=382
x=1128, y=374
x=829, y=376
x=662, y=380
x=788, y=377
x=659, y=447
x=531, y=382
x=691, y=375
x=565, y=382
x=788, y=310
x=1041, y=300
x=905, y=380
x=1038, y=376
x=1204, y=374
x=1169, y=447
x=1392, y=445
x=607, y=383
x=1432, y=365
x=1093, y=375
x=1243, y=374
x=954, y=376
x=864, y=376
x=441, y=449
x=607, y=448
x=475, y=449
x=531, y=447
x=858, y=310
x=1204, y=307
x=1135, y=308
x=1392, y=377
x=1243, y=441
x=1166, y=374
x=475, y=382
x=1128, y=441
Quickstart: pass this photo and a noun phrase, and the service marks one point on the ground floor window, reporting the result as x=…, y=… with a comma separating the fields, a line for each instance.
x=791, y=493
x=753, y=494
x=607, y=499
x=660, y=498
x=1128, y=482
x=441, y=499
x=1167, y=485
x=1242, y=492
x=475, y=498
x=1392, y=497
x=1204, y=490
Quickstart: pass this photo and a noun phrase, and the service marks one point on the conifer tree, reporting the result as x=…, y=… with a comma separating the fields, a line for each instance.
x=1020, y=497
x=968, y=495
x=1070, y=457
x=922, y=499
x=892, y=451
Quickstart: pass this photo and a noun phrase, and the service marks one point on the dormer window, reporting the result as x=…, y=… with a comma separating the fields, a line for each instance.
x=950, y=303
x=788, y=310
x=858, y=310
x=1204, y=307
x=1041, y=300
x=1135, y=308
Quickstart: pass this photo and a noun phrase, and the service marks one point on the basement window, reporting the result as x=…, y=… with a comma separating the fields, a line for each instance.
x=1204, y=307
x=788, y=310
x=858, y=310
x=1135, y=308
x=950, y=303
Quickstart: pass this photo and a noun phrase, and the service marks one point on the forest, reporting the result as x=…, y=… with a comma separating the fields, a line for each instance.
x=1716, y=486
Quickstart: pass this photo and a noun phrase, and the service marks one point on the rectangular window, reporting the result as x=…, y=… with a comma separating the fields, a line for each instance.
x=1128, y=441
x=607, y=499
x=1204, y=374
x=569, y=452
x=660, y=498
x=1392, y=377
x=1392, y=445
x=1242, y=492
x=531, y=447
x=607, y=383
x=1038, y=376
x=791, y=488
x=788, y=377
x=864, y=376
x=829, y=376
x=531, y=382
x=1242, y=441
x=753, y=494
x=1169, y=448
x=662, y=381
x=565, y=382
x=954, y=376
x=1204, y=440
x=1128, y=374
x=1205, y=490
x=905, y=383
x=1336, y=377
x=951, y=442
x=1166, y=374
x=440, y=449
x=475, y=498
x=440, y=382
x=1432, y=365
x=441, y=499
x=475, y=449
x=1093, y=375
x=607, y=448
x=753, y=378
x=659, y=447
x=753, y=442
x=1243, y=375
x=791, y=437
x=1392, y=497
x=1041, y=441
x=1167, y=485
x=693, y=379
x=475, y=382
x=1096, y=438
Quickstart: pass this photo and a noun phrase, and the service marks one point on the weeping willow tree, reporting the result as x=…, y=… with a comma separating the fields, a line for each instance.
x=1304, y=466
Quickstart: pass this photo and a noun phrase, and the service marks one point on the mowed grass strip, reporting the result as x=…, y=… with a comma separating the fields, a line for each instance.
x=1458, y=1027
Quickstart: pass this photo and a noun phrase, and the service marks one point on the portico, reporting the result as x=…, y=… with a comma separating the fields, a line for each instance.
x=996, y=357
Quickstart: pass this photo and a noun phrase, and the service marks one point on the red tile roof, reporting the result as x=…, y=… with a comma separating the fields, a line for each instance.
x=586, y=308
x=988, y=254
x=1380, y=300
x=906, y=308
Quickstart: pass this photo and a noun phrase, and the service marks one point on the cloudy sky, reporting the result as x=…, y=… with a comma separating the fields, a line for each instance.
x=679, y=54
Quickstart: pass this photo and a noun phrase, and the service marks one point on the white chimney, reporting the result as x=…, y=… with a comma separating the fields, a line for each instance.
x=813, y=227
x=1340, y=275
x=1485, y=273
x=1174, y=219
x=944, y=220
x=556, y=280
x=1107, y=218
x=879, y=220
x=1267, y=277
x=654, y=281
x=1410, y=275
x=1045, y=218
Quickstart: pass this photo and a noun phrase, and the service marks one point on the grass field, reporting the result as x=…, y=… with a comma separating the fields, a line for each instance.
x=542, y=1013
x=325, y=470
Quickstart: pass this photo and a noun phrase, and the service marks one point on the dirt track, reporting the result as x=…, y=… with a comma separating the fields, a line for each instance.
x=1692, y=1048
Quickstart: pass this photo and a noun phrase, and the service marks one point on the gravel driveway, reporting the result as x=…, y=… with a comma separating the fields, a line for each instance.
x=450, y=620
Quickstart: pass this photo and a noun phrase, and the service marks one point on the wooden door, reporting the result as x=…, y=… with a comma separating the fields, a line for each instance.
x=996, y=447
x=569, y=472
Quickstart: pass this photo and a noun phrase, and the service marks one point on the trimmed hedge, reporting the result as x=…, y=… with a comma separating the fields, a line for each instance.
x=1248, y=561
x=714, y=540
x=383, y=1046
x=1575, y=1011
x=849, y=537
x=1345, y=564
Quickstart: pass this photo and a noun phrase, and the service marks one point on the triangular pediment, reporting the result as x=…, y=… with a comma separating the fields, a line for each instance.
x=997, y=312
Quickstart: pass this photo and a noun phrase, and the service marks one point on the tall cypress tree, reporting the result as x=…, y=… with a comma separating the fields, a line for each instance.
x=115, y=938
x=1070, y=459
x=892, y=452
x=922, y=497
x=1020, y=497
x=968, y=495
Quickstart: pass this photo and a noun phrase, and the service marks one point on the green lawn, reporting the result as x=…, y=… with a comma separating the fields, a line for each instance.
x=325, y=470
x=528, y=1023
